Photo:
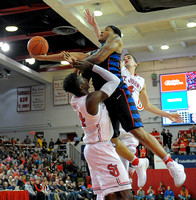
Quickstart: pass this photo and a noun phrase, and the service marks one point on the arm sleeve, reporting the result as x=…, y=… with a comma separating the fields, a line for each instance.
x=37, y=188
x=112, y=80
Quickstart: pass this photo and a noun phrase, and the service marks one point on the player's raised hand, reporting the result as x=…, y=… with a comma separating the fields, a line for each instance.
x=90, y=18
x=82, y=65
x=175, y=117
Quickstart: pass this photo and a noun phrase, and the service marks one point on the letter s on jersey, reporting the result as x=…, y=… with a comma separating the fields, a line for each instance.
x=113, y=170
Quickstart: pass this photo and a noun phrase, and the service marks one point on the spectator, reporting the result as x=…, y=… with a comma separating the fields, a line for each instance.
x=20, y=183
x=184, y=194
x=69, y=162
x=182, y=147
x=150, y=193
x=35, y=140
x=29, y=188
x=169, y=136
x=181, y=137
x=83, y=191
x=175, y=147
x=71, y=190
x=62, y=190
x=39, y=141
x=53, y=191
x=39, y=189
x=27, y=140
x=169, y=194
x=1, y=185
x=154, y=130
x=165, y=137
x=6, y=185
x=161, y=191
x=44, y=143
x=189, y=137
x=192, y=127
x=51, y=144
x=76, y=138
x=192, y=146
x=50, y=149
x=12, y=186
x=140, y=194
x=143, y=152
x=58, y=142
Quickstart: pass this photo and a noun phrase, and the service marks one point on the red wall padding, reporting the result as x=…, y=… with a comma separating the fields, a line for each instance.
x=155, y=176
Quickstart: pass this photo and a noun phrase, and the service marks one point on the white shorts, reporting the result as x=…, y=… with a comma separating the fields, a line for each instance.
x=107, y=172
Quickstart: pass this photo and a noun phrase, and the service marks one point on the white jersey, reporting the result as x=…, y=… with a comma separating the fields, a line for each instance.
x=97, y=127
x=135, y=83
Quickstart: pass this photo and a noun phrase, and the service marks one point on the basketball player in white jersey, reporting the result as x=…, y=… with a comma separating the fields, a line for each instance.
x=108, y=174
x=137, y=87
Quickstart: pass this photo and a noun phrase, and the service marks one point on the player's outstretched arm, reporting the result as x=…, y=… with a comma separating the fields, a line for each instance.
x=90, y=18
x=153, y=109
x=59, y=56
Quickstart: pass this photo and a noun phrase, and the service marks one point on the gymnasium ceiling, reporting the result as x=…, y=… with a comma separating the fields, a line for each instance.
x=143, y=33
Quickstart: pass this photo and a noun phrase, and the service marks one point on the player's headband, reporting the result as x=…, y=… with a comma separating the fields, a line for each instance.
x=115, y=29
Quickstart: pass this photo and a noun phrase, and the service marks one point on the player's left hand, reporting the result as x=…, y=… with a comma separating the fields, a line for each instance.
x=90, y=18
x=82, y=65
x=175, y=117
x=69, y=58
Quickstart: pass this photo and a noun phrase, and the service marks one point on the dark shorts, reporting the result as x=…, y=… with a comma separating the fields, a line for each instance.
x=122, y=108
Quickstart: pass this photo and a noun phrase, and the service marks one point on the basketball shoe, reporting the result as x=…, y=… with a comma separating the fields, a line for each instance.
x=141, y=171
x=177, y=172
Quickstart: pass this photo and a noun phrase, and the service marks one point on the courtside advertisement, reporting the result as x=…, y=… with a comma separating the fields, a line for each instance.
x=178, y=94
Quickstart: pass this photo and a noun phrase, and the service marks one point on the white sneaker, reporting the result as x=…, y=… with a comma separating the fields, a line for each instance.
x=177, y=172
x=141, y=171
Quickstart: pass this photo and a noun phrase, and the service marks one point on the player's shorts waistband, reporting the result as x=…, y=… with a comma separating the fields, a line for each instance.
x=106, y=141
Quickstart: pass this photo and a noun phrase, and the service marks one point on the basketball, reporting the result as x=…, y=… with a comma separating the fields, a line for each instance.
x=37, y=45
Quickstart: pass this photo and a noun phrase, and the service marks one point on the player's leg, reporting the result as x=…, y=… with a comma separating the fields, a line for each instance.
x=106, y=168
x=140, y=165
x=130, y=121
x=122, y=150
x=149, y=141
x=176, y=170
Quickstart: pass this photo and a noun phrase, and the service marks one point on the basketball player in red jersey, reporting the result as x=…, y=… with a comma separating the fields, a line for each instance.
x=108, y=174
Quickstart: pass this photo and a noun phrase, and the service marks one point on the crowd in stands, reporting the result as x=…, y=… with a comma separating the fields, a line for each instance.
x=43, y=170
x=185, y=143
x=162, y=193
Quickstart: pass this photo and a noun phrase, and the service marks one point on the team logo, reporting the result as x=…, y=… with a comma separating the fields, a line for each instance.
x=140, y=107
x=113, y=170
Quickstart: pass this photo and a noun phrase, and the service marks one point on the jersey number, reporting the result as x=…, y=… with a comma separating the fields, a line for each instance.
x=130, y=88
x=82, y=119
x=113, y=170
